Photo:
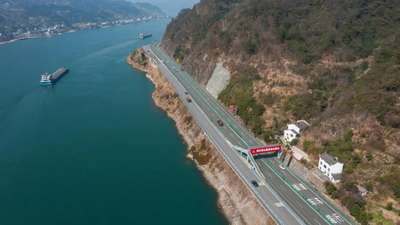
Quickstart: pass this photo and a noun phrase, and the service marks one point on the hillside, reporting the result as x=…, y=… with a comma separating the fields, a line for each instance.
x=335, y=64
x=21, y=17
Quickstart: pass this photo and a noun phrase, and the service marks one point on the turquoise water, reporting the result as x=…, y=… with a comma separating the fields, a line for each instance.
x=92, y=149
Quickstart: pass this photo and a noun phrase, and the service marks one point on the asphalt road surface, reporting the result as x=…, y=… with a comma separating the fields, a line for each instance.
x=287, y=198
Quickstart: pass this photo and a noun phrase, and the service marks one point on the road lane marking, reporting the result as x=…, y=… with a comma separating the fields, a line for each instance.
x=331, y=219
x=318, y=201
x=302, y=186
x=282, y=188
x=299, y=204
x=317, y=221
x=295, y=187
x=338, y=217
x=315, y=201
x=225, y=128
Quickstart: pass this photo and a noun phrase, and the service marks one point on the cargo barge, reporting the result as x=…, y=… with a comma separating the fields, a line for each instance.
x=49, y=79
x=142, y=36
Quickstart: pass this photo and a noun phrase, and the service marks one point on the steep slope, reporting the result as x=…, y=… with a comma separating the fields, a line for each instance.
x=333, y=63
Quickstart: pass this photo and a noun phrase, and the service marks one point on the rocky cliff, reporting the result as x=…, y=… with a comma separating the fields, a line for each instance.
x=234, y=199
x=332, y=63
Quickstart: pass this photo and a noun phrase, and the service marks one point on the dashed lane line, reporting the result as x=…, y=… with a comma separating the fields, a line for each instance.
x=299, y=204
x=316, y=221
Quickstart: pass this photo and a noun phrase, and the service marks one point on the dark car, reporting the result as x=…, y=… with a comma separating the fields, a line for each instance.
x=255, y=184
x=186, y=92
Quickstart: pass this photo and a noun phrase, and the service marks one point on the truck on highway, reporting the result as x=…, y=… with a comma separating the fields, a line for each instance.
x=188, y=100
x=220, y=123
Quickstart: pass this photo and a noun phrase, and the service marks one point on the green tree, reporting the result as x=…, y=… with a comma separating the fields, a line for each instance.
x=369, y=156
x=294, y=142
x=250, y=46
x=348, y=135
x=369, y=187
x=335, y=195
x=364, y=65
x=389, y=206
x=306, y=145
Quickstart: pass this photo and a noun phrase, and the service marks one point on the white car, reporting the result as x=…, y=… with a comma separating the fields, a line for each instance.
x=282, y=167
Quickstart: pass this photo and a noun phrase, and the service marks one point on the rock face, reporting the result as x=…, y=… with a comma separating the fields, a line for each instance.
x=236, y=202
x=219, y=80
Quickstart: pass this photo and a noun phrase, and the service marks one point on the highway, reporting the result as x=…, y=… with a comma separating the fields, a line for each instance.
x=287, y=198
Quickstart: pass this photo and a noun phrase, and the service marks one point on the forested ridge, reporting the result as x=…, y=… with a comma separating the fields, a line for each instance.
x=335, y=64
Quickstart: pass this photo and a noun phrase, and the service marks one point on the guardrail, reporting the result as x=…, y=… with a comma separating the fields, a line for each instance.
x=246, y=131
x=225, y=110
x=233, y=166
x=202, y=96
x=320, y=195
x=299, y=193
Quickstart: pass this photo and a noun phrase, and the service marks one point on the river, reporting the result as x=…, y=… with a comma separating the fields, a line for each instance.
x=93, y=148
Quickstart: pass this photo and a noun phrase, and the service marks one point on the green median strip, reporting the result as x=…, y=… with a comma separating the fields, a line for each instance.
x=201, y=95
x=301, y=195
x=237, y=133
x=320, y=195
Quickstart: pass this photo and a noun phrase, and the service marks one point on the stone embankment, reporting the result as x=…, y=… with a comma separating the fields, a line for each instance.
x=236, y=202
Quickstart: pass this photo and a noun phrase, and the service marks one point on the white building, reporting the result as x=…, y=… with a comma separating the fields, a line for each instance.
x=330, y=166
x=363, y=191
x=294, y=129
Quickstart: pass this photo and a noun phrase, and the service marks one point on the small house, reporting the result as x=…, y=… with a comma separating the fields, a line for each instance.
x=330, y=167
x=295, y=129
x=363, y=191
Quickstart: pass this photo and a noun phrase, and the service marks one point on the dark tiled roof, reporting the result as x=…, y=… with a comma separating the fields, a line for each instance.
x=328, y=158
x=302, y=125
x=337, y=176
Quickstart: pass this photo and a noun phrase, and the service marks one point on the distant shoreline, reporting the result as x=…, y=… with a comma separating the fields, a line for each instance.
x=39, y=36
x=66, y=32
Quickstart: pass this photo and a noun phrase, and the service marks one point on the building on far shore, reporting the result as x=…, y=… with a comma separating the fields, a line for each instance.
x=330, y=167
x=294, y=129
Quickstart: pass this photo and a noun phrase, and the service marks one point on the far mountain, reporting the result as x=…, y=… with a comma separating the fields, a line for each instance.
x=19, y=17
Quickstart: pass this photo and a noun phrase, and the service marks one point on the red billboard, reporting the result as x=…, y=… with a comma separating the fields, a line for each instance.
x=233, y=109
x=265, y=149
